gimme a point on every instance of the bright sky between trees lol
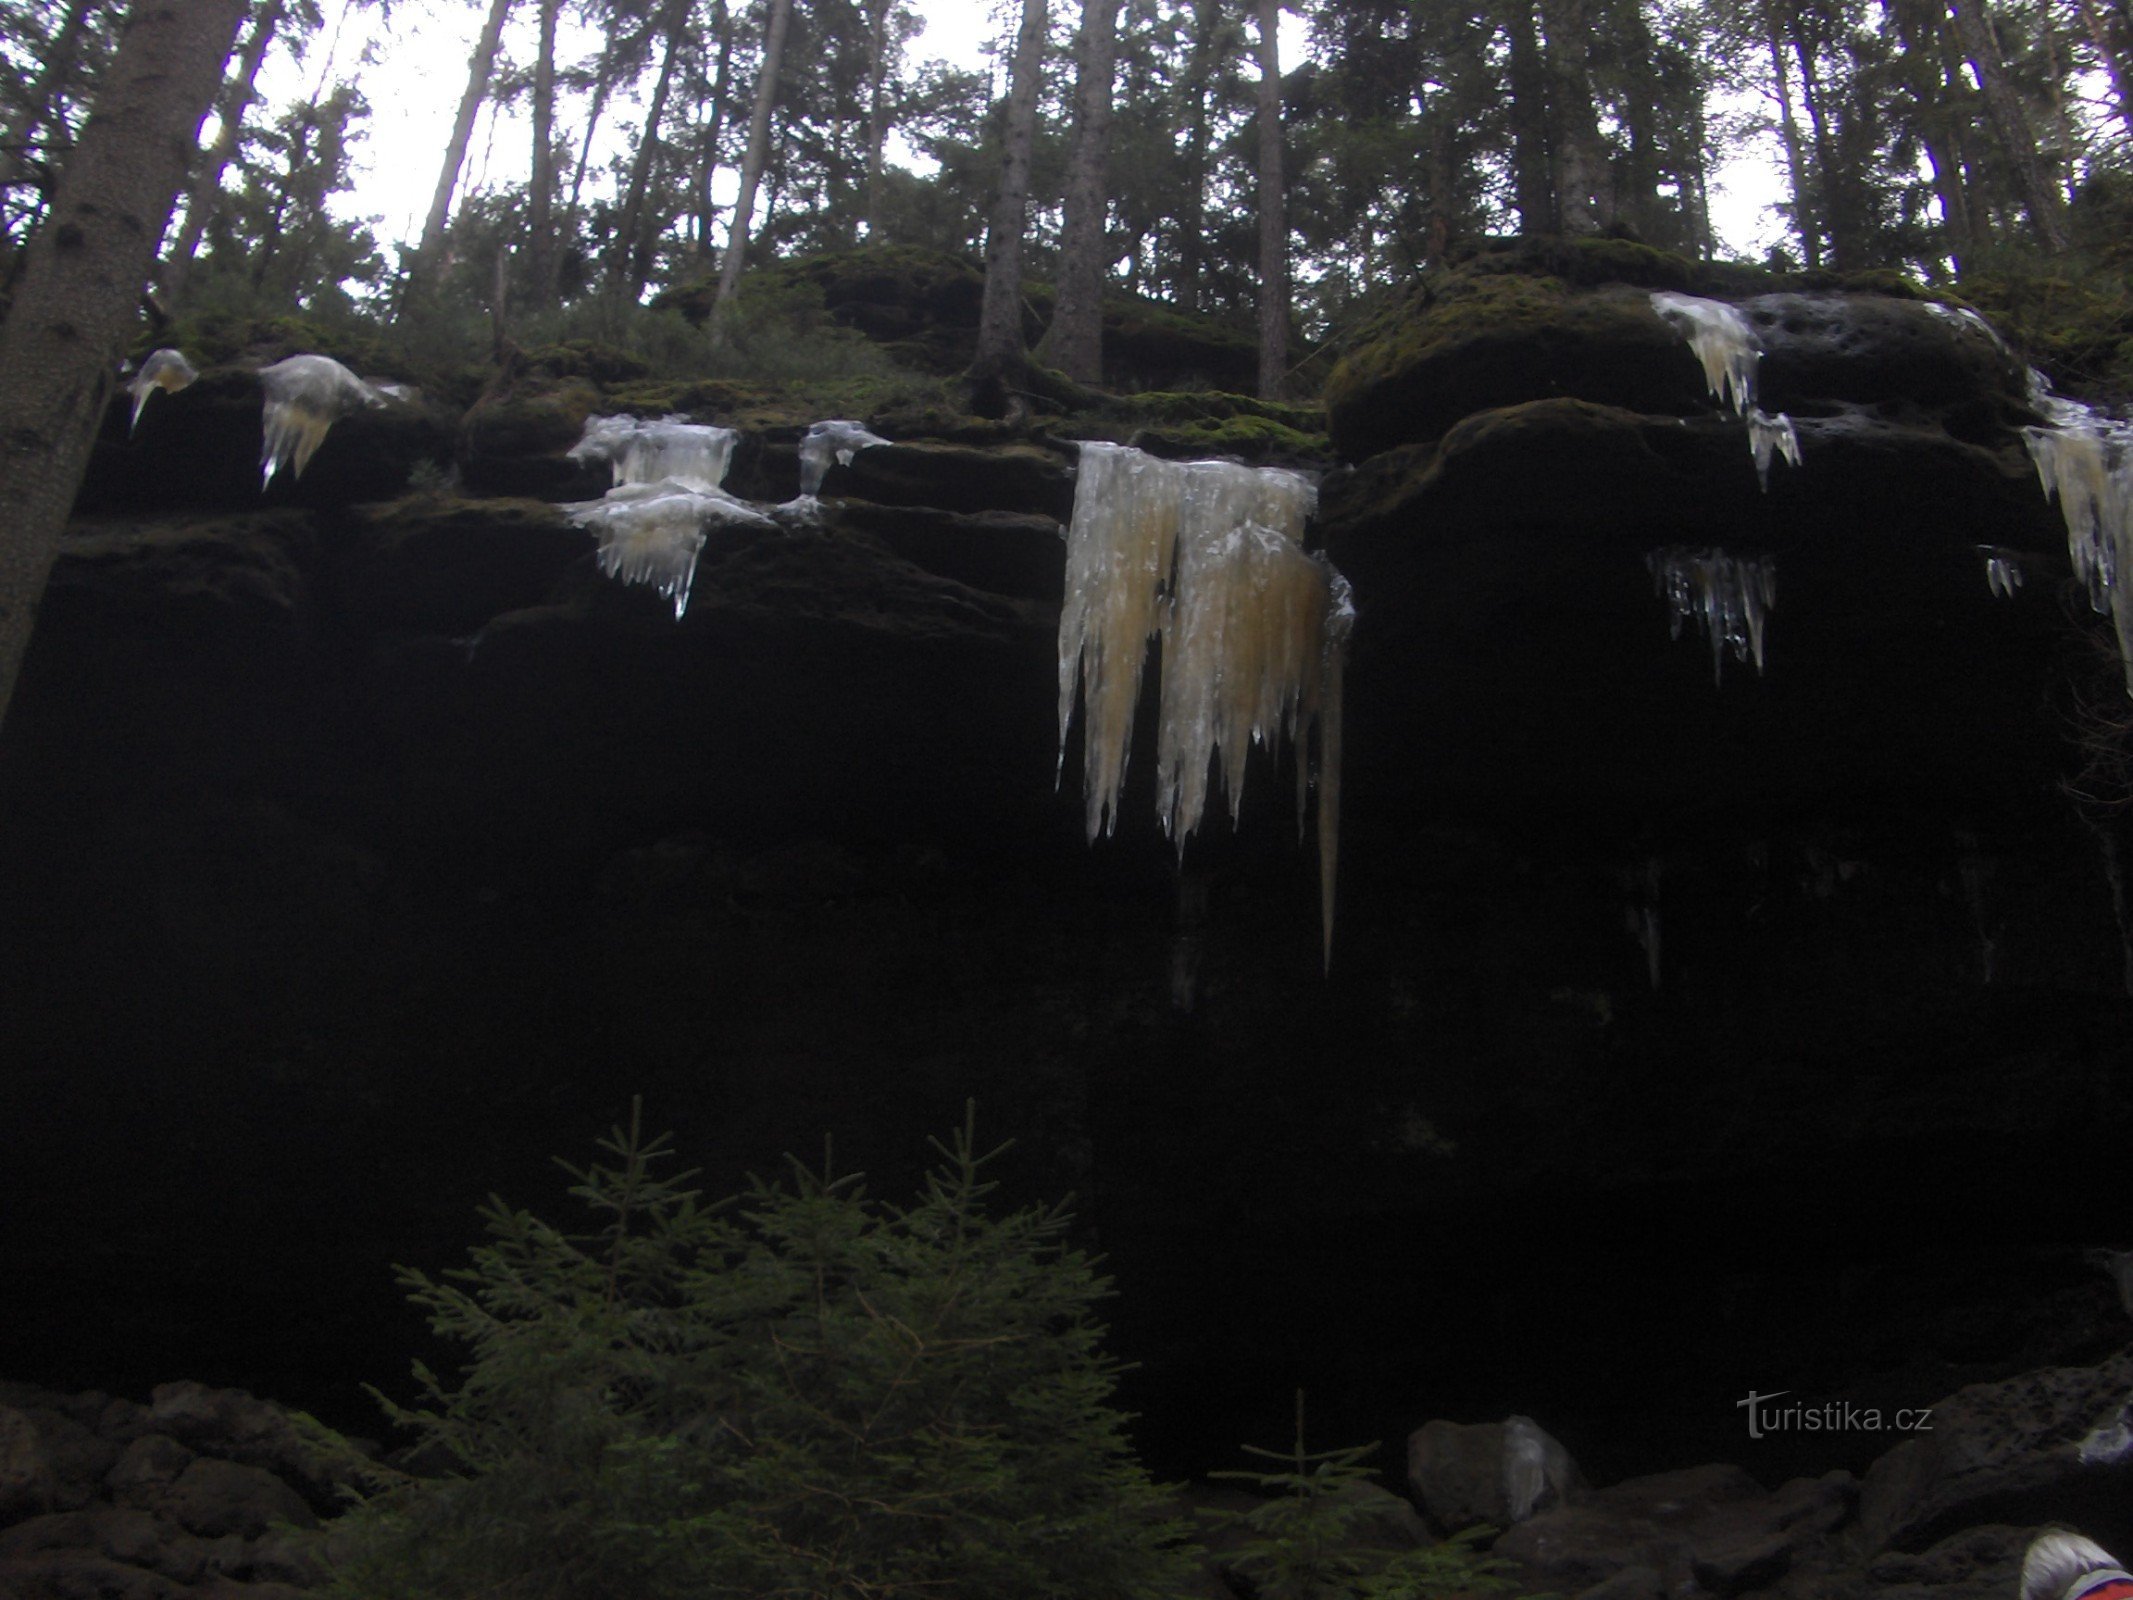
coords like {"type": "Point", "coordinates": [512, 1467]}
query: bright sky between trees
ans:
{"type": "Point", "coordinates": [414, 71]}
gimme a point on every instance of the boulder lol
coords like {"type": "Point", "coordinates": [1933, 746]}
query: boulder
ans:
{"type": "Point", "coordinates": [1493, 1473]}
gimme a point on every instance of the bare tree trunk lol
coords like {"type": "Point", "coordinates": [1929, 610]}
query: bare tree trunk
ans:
{"type": "Point", "coordinates": [766, 95]}
{"type": "Point", "coordinates": [1532, 177]}
{"type": "Point", "coordinates": [2111, 55]}
{"type": "Point", "coordinates": [540, 183]}
{"type": "Point", "coordinates": [625, 272]}
{"type": "Point", "coordinates": [1000, 346]}
{"type": "Point", "coordinates": [1273, 213]}
{"type": "Point", "coordinates": [81, 285]}
{"type": "Point", "coordinates": [1803, 207]}
{"type": "Point", "coordinates": [1584, 198]}
{"type": "Point", "coordinates": [714, 131]}
{"type": "Point", "coordinates": [479, 65]}
{"type": "Point", "coordinates": [2045, 205]}
{"type": "Point", "coordinates": [603, 86]}
{"type": "Point", "coordinates": [1074, 342]}
{"type": "Point", "coordinates": [206, 186]}
{"type": "Point", "coordinates": [877, 105]}
{"type": "Point", "coordinates": [1191, 227]}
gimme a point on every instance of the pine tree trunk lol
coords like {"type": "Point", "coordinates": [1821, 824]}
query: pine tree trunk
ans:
{"type": "Point", "coordinates": [2045, 205]}
{"type": "Point", "coordinates": [714, 131]}
{"type": "Point", "coordinates": [1803, 208]}
{"type": "Point", "coordinates": [540, 183]}
{"type": "Point", "coordinates": [81, 284]}
{"type": "Point", "coordinates": [1834, 223]}
{"type": "Point", "coordinates": [1273, 213]}
{"type": "Point", "coordinates": [2112, 56]}
{"type": "Point", "coordinates": [1584, 198]}
{"type": "Point", "coordinates": [1533, 189]}
{"type": "Point", "coordinates": [1191, 225]}
{"type": "Point", "coordinates": [1000, 347]}
{"type": "Point", "coordinates": [766, 95]}
{"type": "Point", "coordinates": [626, 270]}
{"type": "Point", "coordinates": [877, 107]}
{"type": "Point", "coordinates": [206, 188]}
{"type": "Point", "coordinates": [479, 65]}
{"type": "Point", "coordinates": [1074, 342]}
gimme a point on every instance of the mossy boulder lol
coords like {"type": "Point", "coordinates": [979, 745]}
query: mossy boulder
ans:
{"type": "Point", "coordinates": [1147, 346]}
{"type": "Point", "coordinates": [516, 441]}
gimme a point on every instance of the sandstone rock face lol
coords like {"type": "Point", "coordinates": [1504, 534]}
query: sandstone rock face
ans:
{"type": "Point", "coordinates": [360, 852]}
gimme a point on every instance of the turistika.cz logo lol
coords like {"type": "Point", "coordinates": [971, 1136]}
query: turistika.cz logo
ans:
{"type": "Point", "coordinates": [1832, 1416]}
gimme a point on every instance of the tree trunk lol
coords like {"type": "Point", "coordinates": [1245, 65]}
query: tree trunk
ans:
{"type": "Point", "coordinates": [714, 132]}
{"type": "Point", "coordinates": [479, 65]}
{"type": "Point", "coordinates": [1532, 185]}
{"type": "Point", "coordinates": [1000, 348]}
{"type": "Point", "coordinates": [766, 95]}
{"type": "Point", "coordinates": [1803, 208]}
{"type": "Point", "coordinates": [2111, 54]}
{"type": "Point", "coordinates": [1830, 216]}
{"type": "Point", "coordinates": [540, 183]}
{"type": "Point", "coordinates": [626, 270]}
{"type": "Point", "coordinates": [877, 106]}
{"type": "Point", "coordinates": [1191, 226]}
{"type": "Point", "coordinates": [603, 86]}
{"type": "Point", "coordinates": [2045, 205]}
{"type": "Point", "coordinates": [1074, 342]}
{"type": "Point", "coordinates": [206, 186]}
{"type": "Point", "coordinates": [81, 285]}
{"type": "Point", "coordinates": [1273, 213]}
{"type": "Point", "coordinates": [1584, 198]}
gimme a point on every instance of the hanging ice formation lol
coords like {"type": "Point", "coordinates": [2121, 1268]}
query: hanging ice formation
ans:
{"type": "Point", "coordinates": [1726, 346]}
{"type": "Point", "coordinates": [826, 442]}
{"type": "Point", "coordinates": [1729, 596]}
{"type": "Point", "coordinates": [306, 395]}
{"type": "Point", "coordinates": [2085, 461]}
{"type": "Point", "coordinates": [2003, 570]}
{"type": "Point", "coordinates": [643, 451]}
{"type": "Point", "coordinates": [652, 525]}
{"type": "Point", "coordinates": [1206, 557]}
{"type": "Point", "coordinates": [167, 370]}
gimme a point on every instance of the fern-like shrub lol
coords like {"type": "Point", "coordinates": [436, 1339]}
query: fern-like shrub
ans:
{"type": "Point", "coordinates": [799, 1392]}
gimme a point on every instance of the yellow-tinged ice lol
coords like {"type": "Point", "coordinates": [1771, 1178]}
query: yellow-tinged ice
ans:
{"type": "Point", "coordinates": [165, 369]}
{"type": "Point", "coordinates": [2085, 461]}
{"type": "Point", "coordinates": [306, 396]}
{"type": "Point", "coordinates": [1206, 557]}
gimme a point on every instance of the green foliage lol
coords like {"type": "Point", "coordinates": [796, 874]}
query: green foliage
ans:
{"type": "Point", "coordinates": [1311, 1539]}
{"type": "Point", "coordinates": [800, 1392]}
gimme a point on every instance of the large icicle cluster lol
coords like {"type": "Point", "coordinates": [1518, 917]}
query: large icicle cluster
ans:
{"type": "Point", "coordinates": [672, 448]}
{"type": "Point", "coordinates": [652, 525]}
{"type": "Point", "coordinates": [1729, 596]}
{"type": "Point", "coordinates": [1727, 348]}
{"type": "Point", "coordinates": [306, 395]}
{"type": "Point", "coordinates": [1206, 557]}
{"type": "Point", "coordinates": [2085, 460]}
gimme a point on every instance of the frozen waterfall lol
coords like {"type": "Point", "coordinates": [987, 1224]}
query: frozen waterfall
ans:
{"type": "Point", "coordinates": [1726, 348]}
{"type": "Point", "coordinates": [651, 526]}
{"type": "Point", "coordinates": [643, 451]}
{"type": "Point", "coordinates": [1206, 558]}
{"type": "Point", "coordinates": [165, 369]}
{"type": "Point", "coordinates": [306, 396]}
{"type": "Point", "coordinates": [2085, 461]}
{"type": "Point", "coordinates": [1729, 597]}
{"type": "Point", "coordinates": [826, 442]}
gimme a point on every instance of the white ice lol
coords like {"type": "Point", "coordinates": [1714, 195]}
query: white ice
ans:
{"type": "Point", "coordinates": [2003, 570]}
{"type": "Point", "coordinates": [640, 450]}
{"type": "Point", "coordinates": [826, 442]}
{"type": "Point", "coordinates": [165, 369]}
{"type": "Point", "coordinates": [653, 532]}
{"type": "Point", "coordinates": [2085, 461]}
{"type": "Point", "coordinates": [1207, 558]}
{"type": "Point", "coordinates": [1729, 596]}
{"type": "Point", "coordinates": [306, 395]}
{"type": "Point", "coordinates": [1771, 436]}
{"type": "Point", "coordinates": [1727, 348]}
{"type": "Point", "coordinates": [1722, 340]}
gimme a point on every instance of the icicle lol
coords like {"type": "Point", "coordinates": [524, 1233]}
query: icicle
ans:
{"type": "Point", "coordinates": [1728, 595]}
{"type": "Point", "coordinates": [167, 370]}
{"type": "Point", "coordinates": [2003, 570]}
{"type": "Point", "coordinates": [1769, 436]}
{"type": "Point", "coordinates": [653, 532]}
{"type": "Point", "coordinates": [1120, 547]}
{"type": "Point", "coordinates": [671, 449]}
{"type": "Point", "coordinates": [306, 395]}
{"type": "Point", "coordinates": [1723, 342]}
{"type": "Point", "coordinates": [825, 442]}
{"type": "Point", "coordinates": [2085, 461]}
{"type": "Point", "coordinates": [1208, 558]}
